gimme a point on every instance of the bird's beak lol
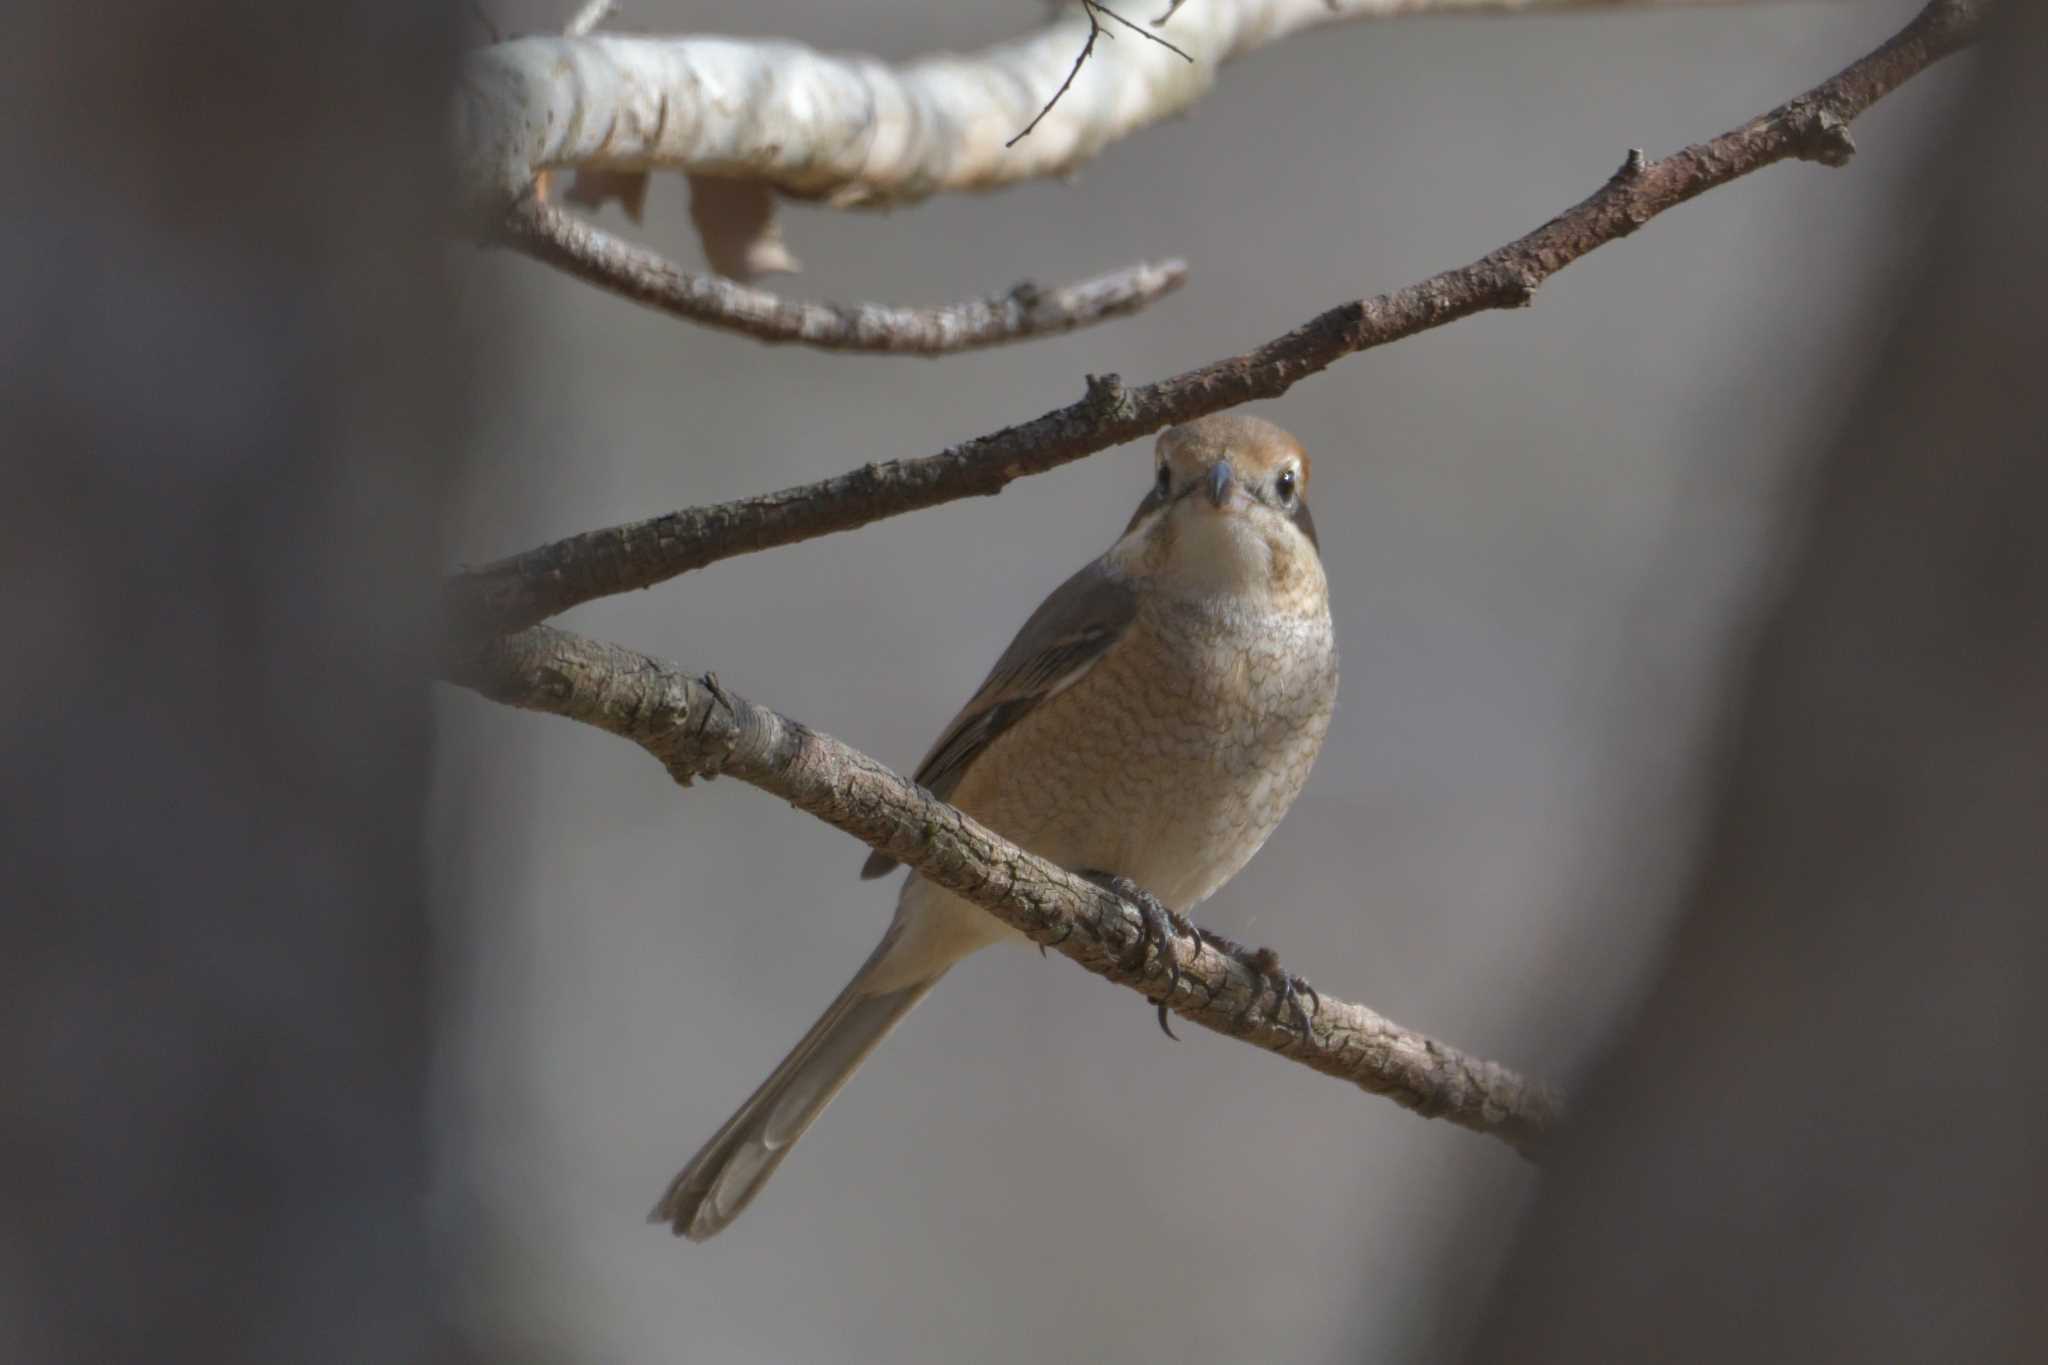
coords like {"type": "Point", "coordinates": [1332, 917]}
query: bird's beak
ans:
{"type": "Point", "coordinates": [1220, 482]}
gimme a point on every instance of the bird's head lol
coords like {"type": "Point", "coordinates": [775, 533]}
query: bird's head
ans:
{"type": "Point", "coordinates": [1227, 512]}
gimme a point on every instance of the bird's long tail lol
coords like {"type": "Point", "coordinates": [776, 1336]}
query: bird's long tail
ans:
{"type": "Point", "coordinates": [723, 1178]}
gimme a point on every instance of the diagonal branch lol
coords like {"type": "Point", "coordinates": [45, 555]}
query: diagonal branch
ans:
{"type": "Point", "coordinates": [517, 592]}
{"type": "Point", "coordinates": [697, 728]}
{"type": "Point", "coordinates": [548, 234]}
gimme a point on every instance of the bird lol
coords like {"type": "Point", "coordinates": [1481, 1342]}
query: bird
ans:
{"type": "Point", "coordinates": [1148, 728]}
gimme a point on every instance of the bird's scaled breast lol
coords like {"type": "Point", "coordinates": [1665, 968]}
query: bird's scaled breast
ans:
{"type": "Point", "coordinates": [1174, 757]}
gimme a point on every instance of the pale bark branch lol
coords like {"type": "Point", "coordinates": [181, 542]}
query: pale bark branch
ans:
{"type": "Point", "coordinates": [852, 130]}
{"type": "Point", "coordinates": [697, 728]}
{"type": "Point", "coordinates": [519, 591]}
{"type": "Point", "coordinates": [548, 234]}
{"type": "Point", "coordinates": [736, 223]}
{"type": "Point", "coordinates": [848, 130]}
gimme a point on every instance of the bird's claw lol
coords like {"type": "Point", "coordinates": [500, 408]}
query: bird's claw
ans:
{"type": "Point", "coordinates": [1161, 927]}
{"type": "Point", "coordinates": [1067, 932]}
{"type": "Point", "coordinates": [1264, 965]}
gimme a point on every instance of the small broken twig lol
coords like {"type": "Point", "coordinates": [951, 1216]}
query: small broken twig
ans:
{"type": "Point", "coordinates": [586, 20]}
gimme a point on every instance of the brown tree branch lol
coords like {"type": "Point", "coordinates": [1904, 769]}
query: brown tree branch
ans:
{"type": "Point", "coordinates": [697, 728]}
{"type": "Point", "coordinates": [546, 233]}
{"type": "Point", "coordinates": [513, 593]}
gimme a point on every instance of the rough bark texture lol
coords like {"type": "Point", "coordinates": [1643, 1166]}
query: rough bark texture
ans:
{"type": "Point", "coordinates": [1824, 1138]}
{"type": "Point", "coordinates": [513, 593]}
{"type": "Point", "coordinates": [590, 253]}
{"type": "Point", "coordinates": [697, 728]}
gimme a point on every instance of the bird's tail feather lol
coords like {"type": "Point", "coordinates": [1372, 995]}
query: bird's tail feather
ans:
{"type": "Point", "coordinates": [730, 1169]}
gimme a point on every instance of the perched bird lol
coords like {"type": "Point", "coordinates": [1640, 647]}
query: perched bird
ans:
{"type": "Point", "coordinates": [1153, 720]}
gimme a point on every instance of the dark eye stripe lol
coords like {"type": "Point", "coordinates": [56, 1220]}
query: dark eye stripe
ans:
{"type": "Point", "coordinates": [1307, 523]}
{"type": "Point", "coordinates": [1154, 499]}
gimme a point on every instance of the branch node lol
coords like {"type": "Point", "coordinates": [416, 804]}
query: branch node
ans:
{"type": "Point", "coordinates": [1106, 395]}
{"type": "Point", "coordinates": [553, 684]}
{"type": "Point", "coordinates": [1517, 286]}
{"type": "Point", "coordinates": [1820, 134]}
{"type": "Point", "coordinates": [1632, 167]}
{"type": "Point", "coordinates": [705, 758]}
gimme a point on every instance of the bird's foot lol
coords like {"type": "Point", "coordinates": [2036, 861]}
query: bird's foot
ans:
{"type": "Point", "coordinates": [1162, 928]}
{"type": "Point", "coordinates": [1264, 964]}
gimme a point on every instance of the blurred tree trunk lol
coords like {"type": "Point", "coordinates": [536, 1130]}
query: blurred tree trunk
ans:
{"type": "Point", "coordinates": [1825, 1139]}
{"type": "Point", "coordinates": [233, 403]}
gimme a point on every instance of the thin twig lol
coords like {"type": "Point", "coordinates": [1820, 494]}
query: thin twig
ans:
{"type": "Point", "coordinates": [586, 20]}
{"type": "Point", "coordinates": [547, 233]}
{"type": "Point", "coordinates": [699, 728]}
{"type": "Point", "coordinates": [1144, 33]}
{"type": "Point", "coordinates": [1095, 30]}
{"type": "Point", "coordinates": [483, 17]}
{"type": "Point", "coordinates": [516, 592]}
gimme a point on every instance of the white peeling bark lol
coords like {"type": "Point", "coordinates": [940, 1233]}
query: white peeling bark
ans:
{"type": "Point", "coordinates": [853, 130]}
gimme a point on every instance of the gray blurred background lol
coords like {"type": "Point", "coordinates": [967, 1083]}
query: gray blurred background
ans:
{"type": "Point", "coordinates": [1547, 532]}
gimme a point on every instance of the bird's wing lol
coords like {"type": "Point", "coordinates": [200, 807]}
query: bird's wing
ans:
{"type": "Point", "coordinates": [1064, 638]}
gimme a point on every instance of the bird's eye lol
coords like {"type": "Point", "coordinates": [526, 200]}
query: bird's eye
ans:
{"type": "Point", "coordinates": [1165, 482]}
{"type": "Point", "coordinates": [1285, 485]}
